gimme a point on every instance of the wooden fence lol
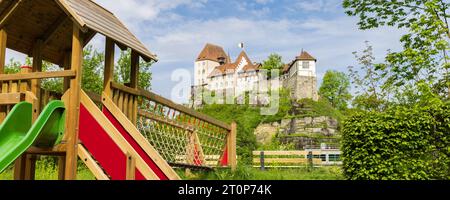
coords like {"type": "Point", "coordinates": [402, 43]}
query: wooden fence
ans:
{"type": "Point", "coordinates": [294, 159]}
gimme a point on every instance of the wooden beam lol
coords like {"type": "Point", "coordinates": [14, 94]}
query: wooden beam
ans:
{"type": "Point", "coordinates": [117, 137]}
{"type": "Point", "coordinates": [3, 40]}
{"type": "Point", "coordinates": [77, 21]}
{"type": "Point", "coordinates": [231, 148]}
{"type": "Point", "coordinates": [38, 75]}
{"type": "Point", "coordinates": [73, 106]}
{"type": "Point", "coordinates": [131, 167]}
{"type": "Point", "coordinates": [91, 163]}
{"type": "Point", "coordinates": [87, 37]}
{"type": "Point", "coordinates": [125, 89]}
{"type": "Point", "coordinates": [61, 167]}
{"type": "Point", "coordinates": [36, 83]}
{"type": "Point", "coordinates": [66, 66]}
{"type": "Point", "coordinates": [11, 98]}
{"type": "Point", "coordinates": [161, 100]}
{"type": "Point", "coordinates": [57, 150]}
{"type": "Point", "coordinates": [139, 138]}
{"type": "Point", "coordinates": [57, 25]}
{"type": "Point", "coordinates": [19, 167]}
{"type": "Point", "coordinates": [6, 15]}
{"type": "Point", "coordinates": [109, 66]}
{"type": "Point", "coordinates": [134, 76]}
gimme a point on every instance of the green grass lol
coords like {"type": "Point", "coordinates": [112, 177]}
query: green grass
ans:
{"type": "Point", "coordinates": [249, 173]}
{"type": "Point", "coordinates": [46, 170]}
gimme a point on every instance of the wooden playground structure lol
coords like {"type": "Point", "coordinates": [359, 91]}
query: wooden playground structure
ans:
{"type": "Point", "coordinates": [124, 133]}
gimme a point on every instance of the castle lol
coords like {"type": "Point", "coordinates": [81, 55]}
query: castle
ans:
{"type": "Point", "coordinates": [215, 71]}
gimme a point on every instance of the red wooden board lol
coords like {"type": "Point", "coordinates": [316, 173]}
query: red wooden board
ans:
{"type": "Point", "coordinates": [136, 147]}
{"type": "Point", "coordinates": [101, 146]}
{"type": "Point", "coordinates": [224, 161]}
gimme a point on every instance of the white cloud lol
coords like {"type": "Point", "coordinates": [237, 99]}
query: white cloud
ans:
{"type": "Point", "coordinates": [263, 1]}
{"type": "Point", "coordinates": [317, 5]}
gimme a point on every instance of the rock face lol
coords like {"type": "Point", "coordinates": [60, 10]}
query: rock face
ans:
{"type": "Point", "coordinates": [307, 132]}
{"type": "Point", "coordinates": [265, 132]}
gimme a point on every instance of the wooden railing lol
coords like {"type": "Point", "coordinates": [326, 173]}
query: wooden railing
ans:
{"type": "Point", "coordinates": [294, 159]}
{"type": "Point", "coordinates": [181, 135]}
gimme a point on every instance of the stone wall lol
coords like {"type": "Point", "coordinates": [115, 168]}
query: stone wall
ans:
{"type": "Point", "coordinates": [302, 87]}
{"type": "Point", "coordinates": [307, 132]}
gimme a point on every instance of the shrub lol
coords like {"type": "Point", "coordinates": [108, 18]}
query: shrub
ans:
{"type": "Point", "coordinates": [400, 143]}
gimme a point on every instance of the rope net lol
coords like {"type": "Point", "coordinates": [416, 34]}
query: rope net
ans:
{"type": "Point", "coordinates": [181, 139]}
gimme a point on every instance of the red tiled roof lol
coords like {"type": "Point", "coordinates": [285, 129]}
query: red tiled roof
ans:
{"type": "Point", "coordinates": [212, 52]}
{"type": "Point", "coordinates": [303, 56]}
{"type": "Point", "coordinates": [231, 67]}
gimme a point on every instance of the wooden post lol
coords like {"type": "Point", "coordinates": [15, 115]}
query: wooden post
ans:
{"type": "Point", "coordinates": [73, 107]}
{"type": "Point", "coordinates": [109, 66]}
{"type": "Point", "coordinates": [3, 40]}
{"type": "Point", "coordinates": [231, 142]}
{"type": "Point", "coordinates": [36, 83]}
{"type": "Point", "coordinates": [261, 158]}
{"type": "Point", "coordinates": [61, 167]}
{"type": "Point", "coordinates": [66, 66]}
{"type": "Point", "coordinates": [131, 167]}
{"type": "Point", "coordinates": [310, 160]}
{"type": "Point", "coordinates": [134, 82]}
{"type": "Point", "coordinates": [134, 76]}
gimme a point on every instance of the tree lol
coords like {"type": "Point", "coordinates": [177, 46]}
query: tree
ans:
{"type": "Point", "coordinates": [123, 70]}
{"type": "Point", "coordinates": [335, 88]}
{"type": "Point", "coordinates": [273, 62]}
{"type": "Point", "coordinates": [425, 46]}
{"type": "Point", "coordinates": [371, 94]}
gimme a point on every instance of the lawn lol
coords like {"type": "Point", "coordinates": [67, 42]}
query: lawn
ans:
{"type": "Point", "coordinates": [249, 173]}
{"type": "Point", "coordinates": [46, 170]}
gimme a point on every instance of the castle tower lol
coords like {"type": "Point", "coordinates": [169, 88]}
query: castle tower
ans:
{"type": "Point", "coordinates": [209, 58]}
{"type": "Point", "coordinates": [300, 77]}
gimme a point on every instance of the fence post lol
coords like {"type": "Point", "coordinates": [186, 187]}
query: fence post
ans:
{"type": "Point", "coordinates": [310, 160]}
{"type": "Point", "coordinates": [262, 160]}
{"type": "Point", "coordinates": [231, 142]}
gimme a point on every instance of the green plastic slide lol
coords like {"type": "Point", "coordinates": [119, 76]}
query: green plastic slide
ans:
{"type": "Point", "coordinates": [17, 133]}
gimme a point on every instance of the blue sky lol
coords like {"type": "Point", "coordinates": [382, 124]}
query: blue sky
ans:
{"type": "Point", "coordinates": [176, 31]}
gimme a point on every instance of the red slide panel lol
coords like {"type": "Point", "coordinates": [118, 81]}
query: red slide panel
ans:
{"type": "Point", "coordinates": [135, 146]}
{"type": "Point", "coordinates": [224, 161]}
{"type": "Point", "coordinates": [103, 149]}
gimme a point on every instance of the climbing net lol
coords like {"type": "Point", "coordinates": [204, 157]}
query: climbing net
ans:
{"type": "Point", "coordinates": [181, 139]}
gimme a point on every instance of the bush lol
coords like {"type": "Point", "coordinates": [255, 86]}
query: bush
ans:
{"type": "Point", "coordinates": [400, 143]}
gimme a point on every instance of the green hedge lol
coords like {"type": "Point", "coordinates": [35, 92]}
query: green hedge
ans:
{"type": "Point", "coordinates": [401, 143]}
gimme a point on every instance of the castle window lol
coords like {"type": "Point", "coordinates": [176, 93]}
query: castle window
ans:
{"type": "Point", "coordinates": [203, 71]}
{"type": "Point", "coordinates": [305, 65]}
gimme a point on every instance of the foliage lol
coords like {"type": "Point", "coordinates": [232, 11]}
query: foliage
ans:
{"type": "Point", "coordinates": [46, 169]}
{"type": "Point", "coordinates": [371, 94]}
{"type": "Point", "coordinates": [311, 108]}
{"type": "Point", "coordinates": [123, 70]}
{"type": "Point", "coordinates": [247, 119]}
{"type": "Point", "coordinates": [12, 67]}
{"type": "Point", "coordinates": [335, 88]}
{"type": "Point", "coordinates": [93, 64]}
{"type": "Point", "coordinates": [425, 45]}
{"type": "Point", "coordinates": [274, 61]}
{"type": "Point", "coordinates": [404, 142]}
